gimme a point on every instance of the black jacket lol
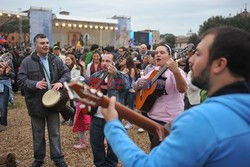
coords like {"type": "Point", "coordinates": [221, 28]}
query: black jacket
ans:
{"type": "Point", "coordinates": [31, 72]}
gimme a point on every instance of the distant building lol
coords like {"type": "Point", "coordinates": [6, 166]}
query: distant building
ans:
{"type": "Point", "coordinates": [66, 29]}
{"type": "Point", "coordinates": [181, 41]}
{"type": "Point", "coordinates": [245, 13]}
{"type": "Point", "coordinates": [155, 36]}
{"type": "Point", "coordinates": [190, 33]}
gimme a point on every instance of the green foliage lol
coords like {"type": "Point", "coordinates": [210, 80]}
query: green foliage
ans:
{"type": "Point", "coordinates": [210, 23]}
{"type": "Point", "coordinates": [240, 21]}
{"type": "Point", "coordinates": [170, 39]}
{"type": "Point", "coordinates": [194, 39]}
{"type": "Point", "coordinates": [25, 26]}
{"type": "Point", "coordinates": [13, 26]}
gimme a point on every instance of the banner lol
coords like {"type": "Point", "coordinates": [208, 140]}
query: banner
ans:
{"type": "Point", "coordinates": [122, 33]}
{"type": "Point", "coordinates": [40, 23]}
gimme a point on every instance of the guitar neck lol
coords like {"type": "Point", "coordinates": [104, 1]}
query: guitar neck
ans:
{"type": "Point", "coordinates": [158, 75]}
{"type": "Point", "coordinates": [101, 80]}
{"type": "Point", "coordinates": [85, 97]}
{"type": "Point", "coordinates": [152, 127]}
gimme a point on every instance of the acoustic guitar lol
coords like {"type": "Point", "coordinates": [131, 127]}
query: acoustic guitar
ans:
{"type": "Point", "coordinates": [152, 89]}
{"type": "Point", "coordinates": [81, 92]}
{"type": "Point", "coordinates": [5, 58]}
{"type": "Point", "coordinates": [98, 83]}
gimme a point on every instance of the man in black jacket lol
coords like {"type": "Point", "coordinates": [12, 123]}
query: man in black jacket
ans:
{"type": "Point", "coordinates": [39, 72]}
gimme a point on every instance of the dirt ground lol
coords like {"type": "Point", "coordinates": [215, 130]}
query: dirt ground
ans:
{"type": "Point", "coordinates": [17, 139]}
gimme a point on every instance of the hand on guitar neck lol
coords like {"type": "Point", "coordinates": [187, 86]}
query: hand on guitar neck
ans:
{"type": "Point", "coordinates": [110, 113]}
{"type": "Point", "coordinates": [92, 97]}
{"type": "Point", "coordinates": [4, 68]}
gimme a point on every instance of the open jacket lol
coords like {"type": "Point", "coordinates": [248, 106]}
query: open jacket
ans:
{"type": "Point", "coordinates": [31, 72]}
{"type": "Point", "coordinates": [118, 85]}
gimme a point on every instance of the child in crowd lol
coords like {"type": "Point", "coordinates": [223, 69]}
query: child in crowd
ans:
{"type": "Point", "coordinates": [81, 125]}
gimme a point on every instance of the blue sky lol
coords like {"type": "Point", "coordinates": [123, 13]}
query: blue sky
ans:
{"type": "Point", "coordinates": [167, 16]}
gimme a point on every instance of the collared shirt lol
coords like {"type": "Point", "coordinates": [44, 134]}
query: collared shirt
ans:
{"type": "Point", "coordinates": [167, 107]}
{"type": "Point", "coordinates": [45, 63]}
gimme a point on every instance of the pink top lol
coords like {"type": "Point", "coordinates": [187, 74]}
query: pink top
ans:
{"type": "Point", "coordinates": [167, 107]}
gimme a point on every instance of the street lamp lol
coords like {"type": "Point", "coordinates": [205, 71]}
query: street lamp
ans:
{"type": "Point", "coordinates": [20, 28]}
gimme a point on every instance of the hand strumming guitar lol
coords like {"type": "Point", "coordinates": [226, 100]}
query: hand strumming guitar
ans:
{"type": "Point", "coordinates": [110, 113]}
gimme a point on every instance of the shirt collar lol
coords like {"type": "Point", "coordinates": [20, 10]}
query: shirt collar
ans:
{"type": "Point", "coordinates": [44, 57]}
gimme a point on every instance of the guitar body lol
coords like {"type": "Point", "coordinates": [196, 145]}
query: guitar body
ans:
{"type": "Point", "coordinates": [146, 97]}
{"type": "Point", "coordinates": [150, 100]}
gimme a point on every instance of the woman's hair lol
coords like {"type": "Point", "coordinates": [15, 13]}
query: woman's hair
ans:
{"type": "Point", "coordinates": [97, 52]}
{"type": "Point", "coordinates": [72, 57]}
{"type": "Point", "coordinates": [151, 53]}
{"type": "Point", "coordinates": [135, 53]}
{"type": "Point", "coordinates": [130, 64]}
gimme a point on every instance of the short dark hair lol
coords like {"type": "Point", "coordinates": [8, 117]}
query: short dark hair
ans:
{"type": "Point", "coordinates": [166, 46]}
{"type": "Point", "coordinates": [94, 47]}
{"type": "Point", "coordinates": [123, 48]}
{"type": "Point", "coordinates": [113, 56]}
{"type": "Point", "coordinates": [39, 36]}
{"type": "Point", "coordinates": [151, 53]}
{"type": "Point", "coordinates": [233, 44]}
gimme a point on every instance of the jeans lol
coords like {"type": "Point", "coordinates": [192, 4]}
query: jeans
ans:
{"type": "Point", "coordinates": [4, 99]}
{"type": "Point", "coordinates": [39, 143]}
{"type": "Point", "coordinates": [154, 142]}
{"type": "Point", "coordinates": [131, 100]}
{"type": "Point", "coordinates": [101, 159]}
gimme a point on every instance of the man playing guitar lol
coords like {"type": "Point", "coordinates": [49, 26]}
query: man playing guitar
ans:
{"type": "Point", "coordinates": [115, 83]}
{"type": "Point", "coordinates": [169, 105]}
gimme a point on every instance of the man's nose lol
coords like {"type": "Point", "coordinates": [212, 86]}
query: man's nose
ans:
{"type": "Point", "coordinates": [191, 59]}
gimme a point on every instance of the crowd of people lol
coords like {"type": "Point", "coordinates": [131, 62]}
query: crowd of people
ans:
{"type": "Point", "coordinates": [211, 132]}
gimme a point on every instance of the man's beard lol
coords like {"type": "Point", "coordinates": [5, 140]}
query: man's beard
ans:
{"type": "Point", "coordinates": [202, 81]}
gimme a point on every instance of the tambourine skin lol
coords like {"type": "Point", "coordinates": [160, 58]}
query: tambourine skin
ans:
{"type": "Point", "coordinates": [51, 98]}
{"type": "Point", "coordinates": [56, 101]}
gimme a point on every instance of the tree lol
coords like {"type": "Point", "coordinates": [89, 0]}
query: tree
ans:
{"type": "Point", "coordinates": [241, 20]}
{"type": "Point", "coordinates": [170, 39]}
{"type": "Point", "coordinates": [26, 31]}
{"type": "Point", "coordinates": [13, 26]}
{"type": "Point", "coordinates": [8, 28]}
{"type": "Point", "coordinates": [194, 39]}
{"type": "Point", "coordinates": [210, 23]}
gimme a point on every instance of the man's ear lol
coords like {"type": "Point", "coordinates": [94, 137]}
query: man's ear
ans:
{"type": "Point", "coordinates": [220, 65]}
